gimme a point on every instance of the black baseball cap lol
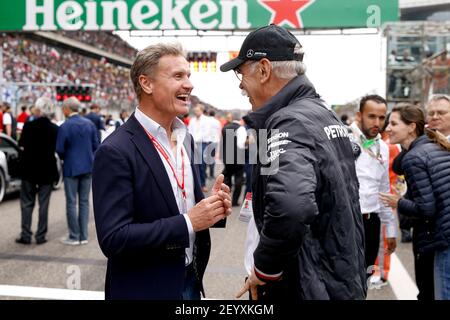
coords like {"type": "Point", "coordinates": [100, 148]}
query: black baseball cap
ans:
{"type": "Point", "coordinates": [271, 42]}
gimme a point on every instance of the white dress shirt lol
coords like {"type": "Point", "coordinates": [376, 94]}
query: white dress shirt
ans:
{"type": "Point", "coordinates": [178, 134]}
{"type": "Point", "coordinates": [241, 135]}
{"type": "Point", "coordinates": [200, 128]}
{"type": "Point", "coordinates": [373, 177]}
{"type": "Point", "coordinates": [215, 130]}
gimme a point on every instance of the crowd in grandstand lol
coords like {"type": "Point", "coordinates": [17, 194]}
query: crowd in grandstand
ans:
{"type": "Point", "coordinates": [29, 60]}
{"type": "Point", "coordinates": [103, 40]}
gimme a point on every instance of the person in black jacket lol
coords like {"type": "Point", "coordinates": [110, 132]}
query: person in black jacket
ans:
{"type": "Point", "coordinates": [426, 165]}
{"type": "Point", "coordinates": [305, 189]}
{"type": "Point", "coordinates": [38, 169]}
{"type": "Point", "coordinates": [233, 154]}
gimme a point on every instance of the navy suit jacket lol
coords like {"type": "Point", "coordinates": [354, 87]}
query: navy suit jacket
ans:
{"type": "Point", "coordinates": [97, 121]}
{"type": "Point", "coordinates": [139, 227]}
{"type": "Point", "coordinates": [76, 143]}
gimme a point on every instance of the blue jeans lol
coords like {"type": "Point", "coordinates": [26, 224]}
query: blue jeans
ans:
{"type": "Point", "coordinates": [442, 274]}
{"type": "Point", "coordinates": [78, 224]}
{"type": "Point", "coordinates": [200, 160]}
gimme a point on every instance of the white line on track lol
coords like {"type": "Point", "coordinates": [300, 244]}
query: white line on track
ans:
{"type": "Point", "coordinates": [50, 293]}
{"type": "Point", "coordinates": [401, 282]}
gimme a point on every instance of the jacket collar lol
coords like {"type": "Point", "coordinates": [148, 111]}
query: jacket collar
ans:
{"type": "Point", "coordinates": [73, 116]}
{"type": "Point", "coordinates": [300, 86]}
{"type": "Point", "coordinates": [419, 141]}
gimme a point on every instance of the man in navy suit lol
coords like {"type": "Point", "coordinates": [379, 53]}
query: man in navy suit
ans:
{"type": "Point", "coordinates": [76, 143]}
{"type": "Point", "coordinates": [96, 119]}
{"type": "Point", "coordinates": [151, 217]}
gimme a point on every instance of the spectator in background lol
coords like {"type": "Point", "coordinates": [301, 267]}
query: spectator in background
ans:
{"type": "Point", "coordinates": [438, 114]}
{"type": "Point", "coordinates": [406, 58]}
{"type": "Point", "coordinates": [397, 186]}
{"type": "Point", "coordinates": [441, 74]}
{"type": "Point", "coordinates": [21, 119]}
{"type": "Point", "coordinates": [345, 119]}
{"type": "Point", "coordinates": [392, 59]}
{"type": "Point", "coordinates": [38, 170]}
{"type": "Point", "coordinates": [123, 117]}
{"type": "Point", "coordinates": [250, 154]}
{"type": "Point", "coordinates": [32, 115]}
{"type": "Point", "coordinates": [199, 128]}
{"type": "Point", "coordinates": [96, 119]}
{"type": "Point", "coordinates": [9, 121]}
{"type": "Point", "coordinates": [215, 128]}
{"type": "Point", "coordinates": [228, 118]}
{"type": "Point", "coordinates": [109, 122]}
{"type": "Point", "coordinates": [186, 119]}
{"type": "Point", "coordinates": [233, 156]}
{"type": "Point", "coordinates": [397, 182]}
{"type": "Point", "coordinates": [372, 169]}
{"type": "Point", "coordinates": [1, 117]}
{"type": "Point", "coordinates": [76, 144]}
{"type": "Point", "coordinates": [426, 166]}
{"type": "Point", "coordinates": [110, 126]}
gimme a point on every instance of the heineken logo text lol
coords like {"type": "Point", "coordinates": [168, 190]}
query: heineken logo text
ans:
{"type": "Point", "coordinates": [142, 15]}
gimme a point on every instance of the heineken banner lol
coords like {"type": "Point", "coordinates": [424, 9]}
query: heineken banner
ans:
{"type": "Point", "coordinates": [32, 15]}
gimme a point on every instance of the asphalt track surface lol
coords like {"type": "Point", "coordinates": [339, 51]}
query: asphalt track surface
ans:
{"type": "Point", "coordinates": [57, 271]}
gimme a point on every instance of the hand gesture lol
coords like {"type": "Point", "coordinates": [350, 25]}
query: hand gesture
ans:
{"type": "Point", "coordinates": [251, 284]}
{"type": "Point", "coordinates": [390, 200]}
{"type": "Point", "coordinates": [223, 191]}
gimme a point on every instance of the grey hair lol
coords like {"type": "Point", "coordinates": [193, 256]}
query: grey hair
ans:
{"type": "Point", "coordinates": [437, 97]}
{"type": "Point", "coordinates": [236, 115]}
{"type": "Point", "coordinates": [45, 105]}
{"type": "Point", "coordinates": [287, 69]}
{"type": "Point", "coordinates": [147, 59]}
{"type": "Point", "coordinates": [72, 103]}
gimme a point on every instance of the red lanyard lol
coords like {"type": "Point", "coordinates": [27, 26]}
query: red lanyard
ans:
{"type": "Point", "coordinates": [166, 156]}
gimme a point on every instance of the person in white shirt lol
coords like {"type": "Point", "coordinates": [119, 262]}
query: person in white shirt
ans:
{"type": "Point", "coordinates": [199, 128]}
{"type": "Point", "coordinates": [372, 169]}
{"type": "Point", "coordinates": [438, 114]}
{"type": "Point", "coordinates": [9, 122]}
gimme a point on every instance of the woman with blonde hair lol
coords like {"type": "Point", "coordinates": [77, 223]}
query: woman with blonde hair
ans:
{"type": "Point", "coordinates": [426, 166]}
